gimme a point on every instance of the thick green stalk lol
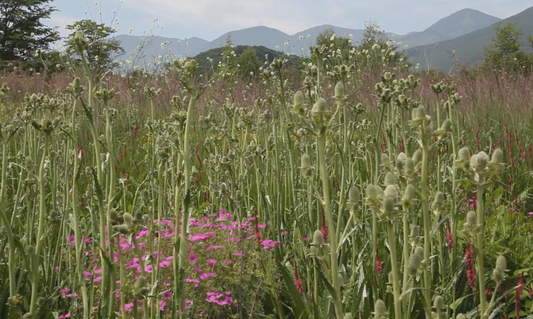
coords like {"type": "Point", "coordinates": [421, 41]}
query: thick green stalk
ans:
{"type": "Point", "coordinates": [7, 224]}
{"type": "Point", "coordinates": [36, 260]}
{"type": "Point", "coordinates": [75, 223]}
{"type": "Point", "coordinates": [186, 187]}
{"type": "Point", "coordinates": [480, 253]}
{"type": "Point", "coordinates": [395, 274]}
{"type": "Point", "coordinates": [427, 228]}
{"type": "Point", "coordinates": [110, 196]}
{"type": "Point", "coordinates": [321, 143]}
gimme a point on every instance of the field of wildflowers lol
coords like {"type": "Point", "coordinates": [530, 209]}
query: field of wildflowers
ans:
{"type": "Point", "coordinates": [346, 189]}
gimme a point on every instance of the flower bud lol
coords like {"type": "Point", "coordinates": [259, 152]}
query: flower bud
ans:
{"type": "Point", "coordinates": [438, 303]}
{"type": "Point", "coordinates": [415, 260]}
{"type": "Point", "coordinates": [339, 91]}
{"type": "Point", "coordinates": [471, 218]}
{"type": "Point", "coordinates": [380, 309]}
{"type": "Point", "coordinates": [464, 154]}
{"type": "Point", "coordinates": [409, 193]}
{"type": "Point", "coordinates": [497, 156]}
{"type": "Point", "coordinates": [318, 238]}
{"type": "Point", "coordinates": [415, 231]}
{"type": "Point", "coordinates": [391, 192]}
{"type": "Point", "coordinates": [461, 316]}
{"type": "Point", "coordinates": [480, 161]}
{"type": "Point", "coordinates": [388, 204]}
{"type": "Point", "coordinates": [501, 263]}
{"type": "Point", "coordinates": [438, 203]}
{"type": "Point", "coordinates": [319, 107]}
{"type": "Point", "coordinates": [417, 156]}
{"type": "Point", "coordinates": [353, 195]}
{"type": "Point", "coordinates": [128, 219]}
{"type": "Point", "coordinates": [348, 315]}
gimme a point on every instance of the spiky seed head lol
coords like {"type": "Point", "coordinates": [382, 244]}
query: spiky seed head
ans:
{"type": "Point", "coordinates": [339, 91]}
{"type": "Point", "coordinates": [415, 260]}
{"type": "Point", "coordinates": [353, 195]}
{"type": "Point", "coordinates": [481, 161]}
{"type": "Point", "coordinates": [379, 308]}
{"type": "Point", "coordinates": [128, 219]}
{"type": "Point", "coordinates": [420, 113]}
{"type": "Point", "coordinates": [388, 204]}
{"type": "Point", "coordinates": [464, 154]}
{"type": "Point", "coordinates": [319, 107]}
{"type": "Point", "coordinates": [471, 218]}
{"type": "Point", "coordinates": [438, 303]}
{"type": "Point", "coordinates": [318, 238]}
{"type": "Point", "coordinates": [497, 156]}
{"type": "Point", "coordinates": [501, 263]}
{"type": "Point", "coordinates": [390, 179]}
{"type": "Point", "coordinates": [417, 156]}
{"type": "Point", "coordinates": [391, 192]}
{"type": "Point", "coordinates": [409, 193]}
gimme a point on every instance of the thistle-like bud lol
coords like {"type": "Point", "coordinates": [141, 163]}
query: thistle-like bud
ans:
{"type": "Point", "coordinates": [497, 156]}
{"type": "Point", "coordinates": [388, 205]}
{"type": "Point", "coordinates": [464, 154]}
{"type": "Point", "coordinates": [479, 162]}
{"type": "Point", "coordinates": [415, 260]}
{"type": "Point", "coordinates": [348, 315]}
{"type": "Point", "coordinates": [501, 263]}
{"type": "Point", "coordinates": [128, 219]}
{"type": "Point", "coordinates": [438, 203]}
{"type": "Point", "coordinates": [497, 275]}
{"type": "Point", "coordinates": [415, 231]}
{"type": "Point", "coordinates": [339, 91]}
{"type": "Point", "coordinates": [318, 238]}
{"type": "Point", "coordinates": [471, 218]}
{"type": "Point", "coordinates": [438, 303]}
{"type": "Point", "coordinates": [380, 310]}
{"type": "Point", "coordinates": [318, 110]}
{"type": "Point", "coordinates": [389, 179]}
{"type": "Point", "coordinates": [461, 316]}
{"type": "Point", "coordinates": [353, 196]}
{"type": "Point", "coordinates": [391, 192]}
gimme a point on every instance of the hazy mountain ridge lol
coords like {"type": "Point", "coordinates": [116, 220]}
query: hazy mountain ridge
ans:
{"type": "Point", "coordinates": [467, 48]}
{"type": "Point", "coordinates": [145, 49]}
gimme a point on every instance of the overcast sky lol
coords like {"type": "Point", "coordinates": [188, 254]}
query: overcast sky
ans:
{"type": "Point", "coordinates": [209, 19]}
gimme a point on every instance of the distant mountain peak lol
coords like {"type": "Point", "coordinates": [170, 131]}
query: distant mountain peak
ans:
{"type": "Point", "coordinates": [462, 22]}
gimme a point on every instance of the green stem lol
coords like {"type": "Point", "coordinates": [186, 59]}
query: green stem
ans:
{"type": "Point", "coordinates": [36, 260]}
{"type": "Point", "coordinates": [480, 253]}
{"type": "Point", "coordinates": [321, 142]}
{"type": "Point", "coordinates": [395, 275]}
{"type": "Point", "coordinates": [427, 229]}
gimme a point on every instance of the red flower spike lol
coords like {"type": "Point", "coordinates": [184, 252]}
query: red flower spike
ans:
{"type": "Point", "coordinates": [470, 270]}
{"type": "Point", "coordinates": [379, 265]}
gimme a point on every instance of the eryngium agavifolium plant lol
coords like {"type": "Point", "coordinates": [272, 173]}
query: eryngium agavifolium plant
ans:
{"type": "Point", "coordinates": [333, 191]}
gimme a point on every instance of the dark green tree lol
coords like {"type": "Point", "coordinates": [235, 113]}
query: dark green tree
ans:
{"type": "Point", "coordinates": [505, 52]}
{"type": "Point", "coordinates": [248, 64]}
{"type": "Point", "coordinates": [100, 48]}
{"type": "Point", "coordinates": [22, 33]}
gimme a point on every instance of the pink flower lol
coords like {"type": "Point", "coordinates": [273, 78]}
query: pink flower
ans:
{"type": "Point", "coordinates": [207, 275]}
{"type": "Point", "coordinates": [192, 258]}
{"type": "Point", "coordinates": [211, 261]}
{"type": "Point", "coordinates": [67, 315]}
{"type": "Point", "coordinates": [64, 291]}
{"type": "Point", "coordinates": [164, 264]}
{"type": "Point", "coordinates": [128, 306]}
{"type": "Point", "coordinates": [214, 247]}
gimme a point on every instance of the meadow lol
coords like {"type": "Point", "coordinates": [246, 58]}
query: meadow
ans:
{"type": "Point", "coordinates": [343, 189]}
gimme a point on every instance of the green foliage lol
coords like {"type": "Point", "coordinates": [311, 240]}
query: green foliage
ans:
{"type": "Point", "coordinates": [505, 52]}
{"type": "Point", "coordinates": [248, 63]}
{"type": "Point", "coordinates": [100, 49]}
{"type": "Point", "coordinates": [241, 59]}
{"type": "Point", "coordinates": [22, 33]}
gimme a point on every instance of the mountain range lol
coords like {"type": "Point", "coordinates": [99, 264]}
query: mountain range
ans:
{"type": "Point", "coordinates": [465, 31]}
